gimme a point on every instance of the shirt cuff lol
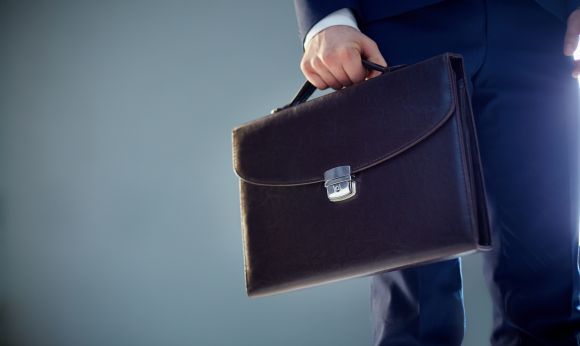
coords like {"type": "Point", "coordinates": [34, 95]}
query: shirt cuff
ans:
{"type": "Point", "coordinates": [344, 16]}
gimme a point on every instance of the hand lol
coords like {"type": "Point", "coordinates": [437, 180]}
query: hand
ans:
{"type": "Point", "coordinates": [571, 39]}
{"type": "Point", "coordinates": [333, 57]}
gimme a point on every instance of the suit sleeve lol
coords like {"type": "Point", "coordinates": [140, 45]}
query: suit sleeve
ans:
{"type": "Point", "coordinates": [343, 16]}
{"type": "Point", "coordinates": [310, 12]}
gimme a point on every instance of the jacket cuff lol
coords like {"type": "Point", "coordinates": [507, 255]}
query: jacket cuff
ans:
{"type": "Point", "coordinates": [310, 12]}
{"type": "Point", "coordinates": [343, 16]}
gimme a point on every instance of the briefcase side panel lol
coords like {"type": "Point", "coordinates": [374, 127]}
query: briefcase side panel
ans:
{"type": "Point", "coordinates": [476, 175]}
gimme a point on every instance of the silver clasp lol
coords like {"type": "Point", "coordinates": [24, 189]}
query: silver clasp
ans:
{"type": "Point", "coordinates": [339, 184]}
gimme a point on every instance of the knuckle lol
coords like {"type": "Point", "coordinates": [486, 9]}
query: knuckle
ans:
{"type": "Point", "coordinates": [317, 64]}
{"type": "Point", "coordinates": [372, 43]}
{"type": "Point", "coordinates": [311, 77]}
{"type": "Point", "coordinates": [330, 57]}
{"type": "Point", "coordinates": [348, 54]}
{"type": "Point", "coordinates": [305, 66]}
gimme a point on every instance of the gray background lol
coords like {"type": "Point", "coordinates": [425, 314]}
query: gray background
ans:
{"type": "Point", "coordinates": [119, 210]}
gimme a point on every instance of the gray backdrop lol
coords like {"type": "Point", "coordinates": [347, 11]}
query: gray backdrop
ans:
{"type": "Point", "coordinates": [119, 210]}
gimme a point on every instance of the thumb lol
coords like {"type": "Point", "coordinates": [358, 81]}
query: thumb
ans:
{"type": "Point", "coordinates": [371, 52]}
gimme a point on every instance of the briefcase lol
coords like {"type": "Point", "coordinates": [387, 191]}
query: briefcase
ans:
{"type": "Point", "coordinates": [378, 176]}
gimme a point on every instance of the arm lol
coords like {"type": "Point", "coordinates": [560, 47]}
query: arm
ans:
{"type": "Point", "coordinates": [333, 47]}
{"type": "Point", "coordinates": [310, 12]}
{"type": "Point", "coordinates": [344, 16]}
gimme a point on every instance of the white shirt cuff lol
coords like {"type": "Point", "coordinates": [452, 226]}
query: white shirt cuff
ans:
{"type": "Point", "coordinates": [344, 16]}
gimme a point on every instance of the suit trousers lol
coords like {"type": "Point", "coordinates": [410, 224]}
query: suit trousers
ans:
{"type": "Point", "coordinates": [526, 112]}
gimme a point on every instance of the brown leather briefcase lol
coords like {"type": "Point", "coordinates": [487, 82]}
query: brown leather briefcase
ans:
{"type": "Point", "coordinates": [378, 176]}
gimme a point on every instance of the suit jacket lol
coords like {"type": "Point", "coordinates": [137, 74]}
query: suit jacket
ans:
{"type": "Point", "coordinates": [309, 12]}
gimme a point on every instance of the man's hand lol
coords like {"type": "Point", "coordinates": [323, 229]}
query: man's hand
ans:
{"type": "Point", "coordinates": [333, 57]}
{"type": "Point", "coordinates": [571, 39]}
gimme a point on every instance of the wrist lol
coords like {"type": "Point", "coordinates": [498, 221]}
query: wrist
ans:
{"type": "Point", "coordinates": [343, 16]}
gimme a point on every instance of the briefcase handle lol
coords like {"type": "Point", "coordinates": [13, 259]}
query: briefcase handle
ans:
{"type": "Point", "coordinates": [308, 89]}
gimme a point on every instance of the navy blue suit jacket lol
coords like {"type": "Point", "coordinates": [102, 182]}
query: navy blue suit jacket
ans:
{"type": "Point", "coordinates": [309, 12]}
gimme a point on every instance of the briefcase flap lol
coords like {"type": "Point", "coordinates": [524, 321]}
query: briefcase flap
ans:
{"type": "Point", "coordinates": [360, 126]}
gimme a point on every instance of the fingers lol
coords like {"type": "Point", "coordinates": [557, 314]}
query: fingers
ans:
{"type": "Point", "coordinates": [370, 50]}
{"type": "Point", "coordinates": [572, 32]}
{"type": "Point", "coordinates": [333, 57]}
{"type": "Point", "coordinates": [318, 82]}
{"type": "Point", "coordinates": [340, 69]}
{"type": "Point", "coordinates": [327, 75]}
{"type": "Point", "coordinates": [333, 62]}
{"type": "Point", "coordinates": [318, 74]}
{"type": "Point", "coordinates": [312, 74]}
{"type": "Point", "coordinates": [328, 71]}
{"type": "Point", "coordinates": [354, 67]}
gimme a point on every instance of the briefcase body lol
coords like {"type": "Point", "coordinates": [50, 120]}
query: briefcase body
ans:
{"type": "Point", "coordinates": [378, 176]}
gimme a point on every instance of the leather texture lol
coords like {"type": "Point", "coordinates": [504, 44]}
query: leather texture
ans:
{"type": "Point", "coordinates": [409, 137]}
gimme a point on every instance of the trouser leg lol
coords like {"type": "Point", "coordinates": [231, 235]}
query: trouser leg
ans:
{"type": "Point", "coordinates": [418, 306]}
{"type": "Point", "coordinates": [526, 107]}
{"type": "Point", "coordinates": [526, 110]}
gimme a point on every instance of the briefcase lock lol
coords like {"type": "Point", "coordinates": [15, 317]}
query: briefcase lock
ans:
{"type": "Point", "coordinates": [339, 184]}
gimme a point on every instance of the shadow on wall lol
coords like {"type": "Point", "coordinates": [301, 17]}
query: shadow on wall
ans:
{"type": "Point", "coordinates": [4, 337]}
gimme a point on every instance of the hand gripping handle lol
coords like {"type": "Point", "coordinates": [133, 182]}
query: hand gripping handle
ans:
{"type": "Point", "coordinates": [308, 89]}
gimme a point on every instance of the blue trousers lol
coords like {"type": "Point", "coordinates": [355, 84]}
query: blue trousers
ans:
{"type": "Point", "coordinates": [526, 112]}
